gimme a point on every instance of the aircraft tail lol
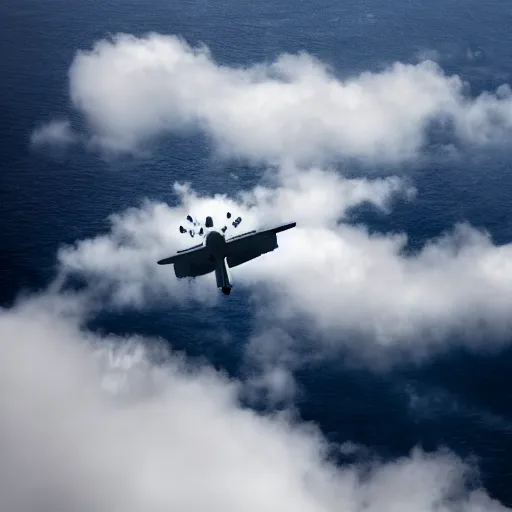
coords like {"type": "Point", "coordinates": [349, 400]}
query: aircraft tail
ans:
{"type": "Point", "coordinates": [222, 277]}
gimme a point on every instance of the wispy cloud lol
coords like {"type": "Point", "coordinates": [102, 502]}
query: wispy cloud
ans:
{"type": "Point", "coordinates": [57, 133]}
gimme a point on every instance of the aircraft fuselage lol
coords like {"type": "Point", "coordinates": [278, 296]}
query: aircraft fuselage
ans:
{"type": "Point", "coordinates": [216, 244]}
{"type": "Point", "coordinates": [216, 253]}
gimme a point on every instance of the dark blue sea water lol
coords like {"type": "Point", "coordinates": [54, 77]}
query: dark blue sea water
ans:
{"type": "Point", "coordinates": [460, 400]}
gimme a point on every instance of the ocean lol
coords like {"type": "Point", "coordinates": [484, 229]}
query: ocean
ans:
{"type": "Point", "coordinates": [459, 400]}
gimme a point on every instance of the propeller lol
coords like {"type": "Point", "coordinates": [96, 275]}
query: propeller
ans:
{"type": "Point", "coordinates": [235, 223]}
{"type": "Point", "coordinates": [191, 231]}
{"type": "Point", "coordinates": [208, 224]}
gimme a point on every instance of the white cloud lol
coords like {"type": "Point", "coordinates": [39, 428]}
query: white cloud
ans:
{"type": "Point", "coordinates": [360, 290]}
{"type": "Point", "coordinates": [122, 263]}
{"type": "Point", "coordinates": [91, 423]}
{"type": "Point", "coordinates": [350, 288]}
{"type": "Point", "coordinates": [53, 134]}
{"type": "Point", "coordinates": [294, 109]}
{"type": "Point", "coordinates": [88, 423]}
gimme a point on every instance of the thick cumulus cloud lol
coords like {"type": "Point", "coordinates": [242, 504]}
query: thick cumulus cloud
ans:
{"type": "Point", "coordinates": [355, 289]}
{"type": "Point", "coordinates": [295, 108]}
{"type": "Point", "coordinates": [361, 289]}
{"type": "Point", "coordinates": [106, 424]}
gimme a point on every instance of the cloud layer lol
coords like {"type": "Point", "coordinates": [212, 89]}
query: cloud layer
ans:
{"type": "Point", "coordinates": [122, 263]}
{"type": "Point", "coordinates": [97, 424]}
{"type": "Point", "coordinates": [131, 90]}
{"type": "Point", "coordinates": [356, 289]}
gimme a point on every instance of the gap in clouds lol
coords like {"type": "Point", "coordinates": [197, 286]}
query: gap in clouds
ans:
{"type": "Point", "coordinates": [470, 188]}
{"type": "Point", "coordinates": [215, 334]}
{"type": "Point", "coordinates": [432, 406]}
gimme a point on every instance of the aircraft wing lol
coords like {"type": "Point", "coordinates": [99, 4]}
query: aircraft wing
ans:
{"type": "Point", "coordinates": [192, 262]}
{"type": "Point", "coordinates": [250, 245]}
{"type": "Point", "coordinates": [180, 255]}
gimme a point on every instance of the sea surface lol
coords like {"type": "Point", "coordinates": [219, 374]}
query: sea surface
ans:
{"type": "Point", "coordinates": [460, 400]}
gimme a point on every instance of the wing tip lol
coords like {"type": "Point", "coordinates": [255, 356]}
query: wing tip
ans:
{"type": "Point", "coordinates": [284, 227]}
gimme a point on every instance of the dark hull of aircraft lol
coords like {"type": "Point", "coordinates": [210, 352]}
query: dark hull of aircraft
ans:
{"type": "Point", "coordinates": [216, 254]}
